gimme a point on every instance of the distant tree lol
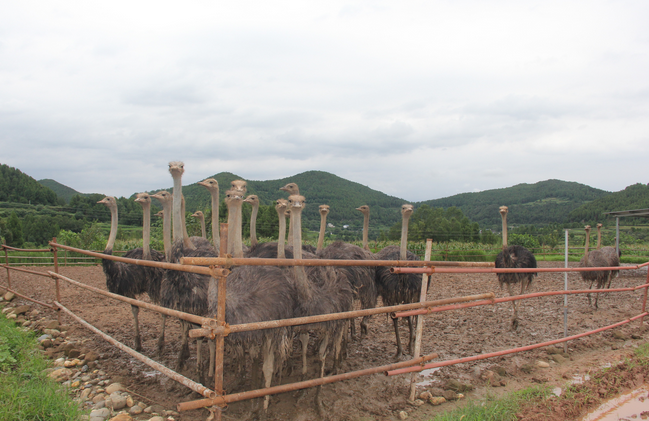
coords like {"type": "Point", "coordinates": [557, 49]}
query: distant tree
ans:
{"type": "Point", "coordinates": [14, 231]}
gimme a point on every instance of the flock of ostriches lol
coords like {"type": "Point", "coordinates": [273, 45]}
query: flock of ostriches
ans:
{"type": "Point", "coordinates": [262, 293]}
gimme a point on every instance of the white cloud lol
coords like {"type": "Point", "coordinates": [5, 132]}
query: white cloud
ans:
{"type": "Point", "coordinates": [420, 99]}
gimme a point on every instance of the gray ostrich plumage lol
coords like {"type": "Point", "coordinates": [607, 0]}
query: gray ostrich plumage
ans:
{"type": "Point", "coordinates": [397, 289]}
{"type": "Point", "coordinates": [605, 257]}
{"type": "Point", "coordinates": [127, 279]}
{"type": "Point", "coordinates": [514, 257]}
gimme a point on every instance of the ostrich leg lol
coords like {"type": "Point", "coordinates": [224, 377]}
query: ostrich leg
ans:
{"type": "Point", "coordinates": [138, 342]}
{"type": "Point", "coordinates": [364, 325]}
{"type": "Point", "coordinates": [183, 355]}
{"type": "Point", "coordinates": [411, 342]}
{"type": "Point", "coordinates": [304, 339]}
{"type": "Point", "coordinates": [268, 368]}
{"type": "Point", "coordinates": [322, 355]}
{"type": "Point", "coordinates": [515, 317]}
{"type": "Point", "coordinates": [396, 332]}
{"type": "Point", "coordinates": [161, 338]}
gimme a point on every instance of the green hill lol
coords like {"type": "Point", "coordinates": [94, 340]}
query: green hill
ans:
{"type": "Point", "coordinates": [64, 192]}
{"type": "Point", "coordinates": [17, 187]}
{"type": "Point", "coordinates": [319, 187]}
{"type": "Point", "coordinates": [633, 197]}
{"type": "Point", "coordinates": [542, 203]}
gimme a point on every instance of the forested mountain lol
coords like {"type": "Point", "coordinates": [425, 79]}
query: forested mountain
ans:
{"type": "Point", "coordinates": [550, 202]}
{"type": "Point", "coordinates": [633, 197]}
{"type": "Point", "coordinates": [63, 192]}
{"type": "Point", "coordinates": [319, 187]}
{"type": "Point", "coordinates": [545, 202]}
{"type": "Point", "coordinates": [15, 186]}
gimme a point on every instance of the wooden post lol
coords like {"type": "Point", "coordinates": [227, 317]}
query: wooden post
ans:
{"type": "Point", "coordinates": [7, 262]}
{"type": "Point", "coordinates": [56, 280]}
{"type": "Point", "coordinates": [420, 319]}
{"type": "Point", "coordinates": [219, 352]}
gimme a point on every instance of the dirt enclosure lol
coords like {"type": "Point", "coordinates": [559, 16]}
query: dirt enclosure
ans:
{"type": "Point", "coordinates": [452, 334]}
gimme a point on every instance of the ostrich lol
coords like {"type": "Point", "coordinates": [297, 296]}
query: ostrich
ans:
{"type": "Point", "coordinates": [184, 291]}
{"type": "Point", "coordinates": [254, 202]}
{"type": "Point", "coordinates": [324, 210]}
{"type": "Point", "coordinates": [397, 289]}
{"type": "Point", "coordinates": [514, 257]}
{"type": "Point", "coordinates": [160, 214]}
{"type": "Point", "coordinates": [597, 258]}
{"type": "Point", "coordinates": [154, 275]}
{"type": "Point", "coordinates": [319, 291]}
{"type": "Point", "coordinates": [361, 278]}
{"type": "Point", "coordinates": [254, 294]}
{"type": "Point", "coordinates": [365, 210]}
{"type": "Point", "coordinates": [213, 187]}
{"type": "Point", "coordinates": [201, 217]}
{"type": "Point", "coordinates": [123, 278]}
{"type": "Point", "coordinates": [290, 188]}
{"type": "Point", "coordinates": [612, 255]}
{"type": "Point", "coordinates": [194, 241]}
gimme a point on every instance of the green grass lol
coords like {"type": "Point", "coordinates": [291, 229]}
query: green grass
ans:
{"type": "Point", "coordinates": [26, 393]}
{"type": "Point", "coordinates": [494, 409]}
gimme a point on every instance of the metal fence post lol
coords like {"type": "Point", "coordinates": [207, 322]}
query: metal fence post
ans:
{"type": "Point", "coordinates": [420, 319]}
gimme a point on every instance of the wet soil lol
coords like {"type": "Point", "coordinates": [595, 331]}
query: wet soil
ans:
{"type": "Point", "coordinates": [452, 334]}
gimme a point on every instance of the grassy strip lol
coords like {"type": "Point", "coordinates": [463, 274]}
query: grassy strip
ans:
{"type": "Point", "coordinates": [26, 393]}
{"type": "Point", "coordinates": [495, 409]}
{"type": "Point", "coordinates": [539, 403]}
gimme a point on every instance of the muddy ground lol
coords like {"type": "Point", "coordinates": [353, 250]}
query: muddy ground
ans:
{"type": "Point", "coordinates": [452, 334]}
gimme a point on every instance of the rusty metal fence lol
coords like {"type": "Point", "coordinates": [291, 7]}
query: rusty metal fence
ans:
{"type": "Point", "coordinates": [217, 328]}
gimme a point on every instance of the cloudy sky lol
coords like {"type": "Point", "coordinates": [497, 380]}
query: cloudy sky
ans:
{"type": "Point", "coordinates": [418, 99]}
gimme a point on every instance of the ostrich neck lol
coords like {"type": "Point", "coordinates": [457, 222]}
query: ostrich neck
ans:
{"type": "Point", "coordinates": [146, 230]}
{"type": "Point", "coordinates": [323, 225]}
{"type": "Point", "coordinates": [203, 231]}
{"type": "Point", "coordinates": [235, 245]}
{"type": "Point", "coordinates": [216, 237]}
{"type": "Point", "coordinates": [113, 229]}
{"type": "Point", "coordinates": [178, 209]}
{"type": "Point", "coordinates": [504, 217]}
{"type": "Point", "coordinates": [599, 238]}
{"type": "Point", "coordinates": [188, 243]}
{"type": "Point", "coordinates": [290, 234]}
{"type": "Point", "coordinates": [303, 284]}
{"type": "Point", "coordinates": [403, 254]}
{"type": "Point", "coordinates": [253, 225]}
{"type": "Point", "coordinates": [166, 229]}
{"type": "Point", "coordinates": [366, 231]}
{"type": "Point", "coordinates": [281, 239]}
{"type": "Point", "coordinates": [586, 247]}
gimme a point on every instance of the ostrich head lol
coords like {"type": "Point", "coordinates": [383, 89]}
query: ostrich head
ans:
{"type": "Point", "coordinates": [252, 199]}
{"type": "Point", "coordinates": [176, 168]}
{"type": "Point", "coordinates": [280, 206]}
{"type": "Point", "coordinates": [143, 198]}
{"type": "Point", "coordinates": [198, 214]}
{"type": "Point", "coordinates": [239, 185]}
{"type": "Point", "coordinates": [291, 188]}
{"type": "Point", "coordinates": [109, 201]}
{"type": "Point", "coordinates": [296, 202]}
{"type": "Point", "coordinates": [365, 210]}
{"type": "Point", "coordinates": [160, 214]}
{"type": "Point", "coordinates": [324, 210]}
{"type": "Point", "coordinates": [210, 184]}
{"type": "Point", "coordinates": [164, 197]}
{"type": "Point", "coordinates": [406, 210]}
